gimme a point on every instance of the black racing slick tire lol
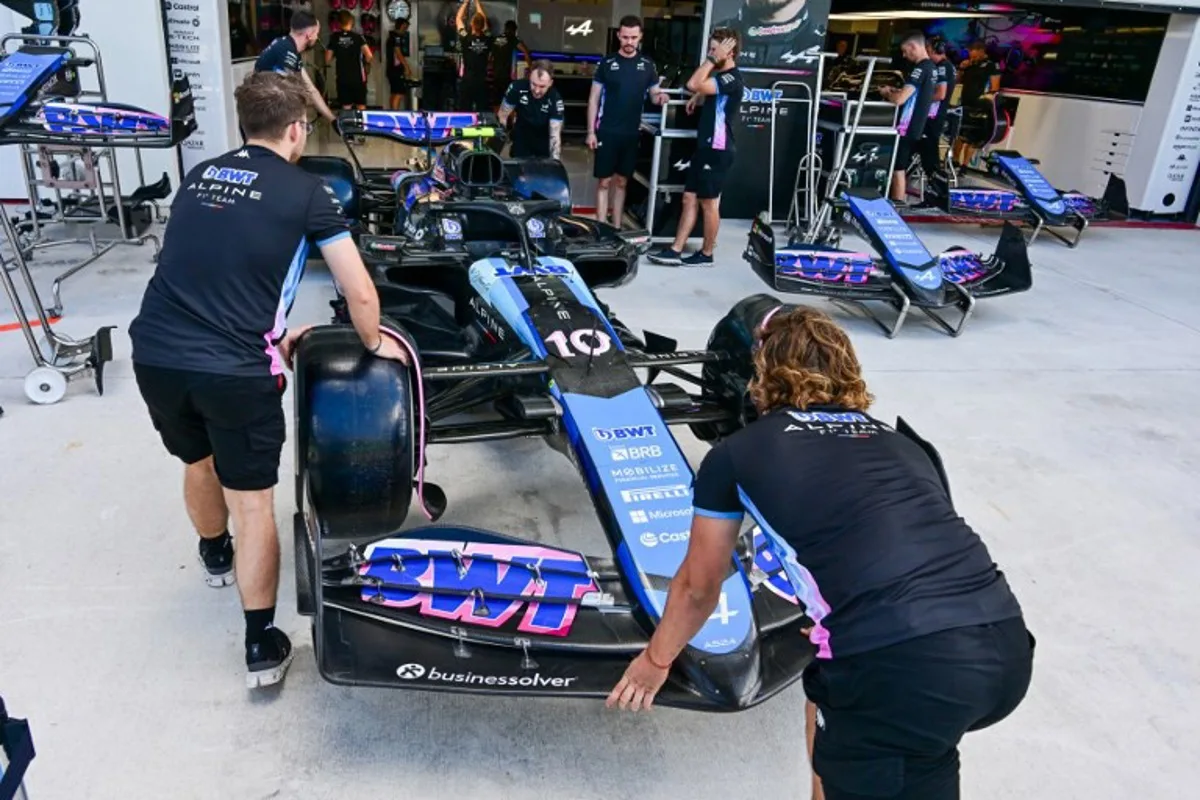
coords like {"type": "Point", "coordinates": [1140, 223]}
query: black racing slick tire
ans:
{"type": "Point", "coordinates": [356, 434]}
{"type": "Point", "coordinates": [726, 380]}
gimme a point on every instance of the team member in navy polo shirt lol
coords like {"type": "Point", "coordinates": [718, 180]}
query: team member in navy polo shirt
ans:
{"type": "Point", "coordinates": [284, 55]}
{"type": "Point", "coordinates": [619, 88]}
{"type": "Point", "coordinates": [717, 84]}
{"type": "Point", "coordinates": [918, 636]}
{"type": "Point", "coordinates": [210, 342]}
{"type": "Point", "coordinates": [539, 108]}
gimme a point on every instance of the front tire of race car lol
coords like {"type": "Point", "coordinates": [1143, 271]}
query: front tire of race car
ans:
{"type": "Point", "coordinates": [356, 431]}
{"type": "Point", "coordinates": [726, 380]}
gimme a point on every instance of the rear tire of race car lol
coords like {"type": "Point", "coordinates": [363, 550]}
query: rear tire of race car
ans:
{"type": "Point", "coordinates": [355, 430]}
{"type": "Point", "coordinates": [726, 379]}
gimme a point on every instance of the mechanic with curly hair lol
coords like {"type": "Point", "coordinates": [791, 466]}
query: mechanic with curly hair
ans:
{"type": "Point", "coordinates": [918, 637]}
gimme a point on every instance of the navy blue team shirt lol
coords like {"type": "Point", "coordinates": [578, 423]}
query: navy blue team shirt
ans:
{"type": "Point", "coordinates": [880, 555]}
{"type": "Point", "coordinates": [234, 250]}
{"type": "Point", "coordinates": [720, 112]}
{"type": "Point", "coordinates": [280, 56]}
{"type": "Point", "coordinates": [625, 83]}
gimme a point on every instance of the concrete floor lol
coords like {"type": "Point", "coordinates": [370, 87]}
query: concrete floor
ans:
{"type": "Point", "coordinates": [1067, 419]}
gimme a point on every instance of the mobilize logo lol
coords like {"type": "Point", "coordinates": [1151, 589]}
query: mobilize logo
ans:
{"type": "Point", "coordinates": [630, 474]}
{"type": "Point", "coordinates": [655, 539]}
{"type": "Point", "coordinates": [678, 490]}
{"type": "Point", "coordinates": [416, 672]}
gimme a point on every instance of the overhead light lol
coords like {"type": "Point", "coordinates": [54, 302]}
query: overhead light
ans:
{"type": "Point", "coordinates": [883, 15]}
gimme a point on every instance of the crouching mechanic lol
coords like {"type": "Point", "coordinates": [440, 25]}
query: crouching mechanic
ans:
{"type": "Point", "coordinates": [918, 636]}
{"type": "Point", "coordinates": [537, 131]}
{"type": "Point", "coordinates": [717, 77]}
{"type": "Point", "coordinates": [210, 346]}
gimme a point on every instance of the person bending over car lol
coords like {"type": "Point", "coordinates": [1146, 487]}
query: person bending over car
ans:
{"type": "Point", "coordinates": [918, 636]}
{"type": "Point", "coordinates": [539, 109]}
{"type": "Point", "coordinates": [210, 344]}
{"type": "Point", "coordinates": [719, 78]}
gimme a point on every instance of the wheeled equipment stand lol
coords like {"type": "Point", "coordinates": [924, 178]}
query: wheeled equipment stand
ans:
{"type": "Point", "coordinates": [61, 360]}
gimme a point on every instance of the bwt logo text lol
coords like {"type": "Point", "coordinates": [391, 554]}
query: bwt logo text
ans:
{"type": "Point", "coordinates": [624, 432]}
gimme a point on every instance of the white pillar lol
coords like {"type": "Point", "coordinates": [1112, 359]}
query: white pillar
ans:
{"type": "Point", "coordinates": [1166, 148]}
{"type": "Point", "coordinates": [198, 44]}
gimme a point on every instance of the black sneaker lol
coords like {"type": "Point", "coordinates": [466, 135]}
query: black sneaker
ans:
{"type": "Point", "coordinates": [267, 661]}
{"type": "Point", "coordinates": [697, 259]}
{"type": "Point", "coordinates": [666, 255]}
{"type": "Point", "coordinates": [218, 561]}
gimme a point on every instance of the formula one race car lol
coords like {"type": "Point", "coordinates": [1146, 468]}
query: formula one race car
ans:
{"type": "Point", "coordinates": [904, 275]}
{"type": "Point", "coordinates": [447, 607]}
{"type": "Point", "coordinates": [382, 200]}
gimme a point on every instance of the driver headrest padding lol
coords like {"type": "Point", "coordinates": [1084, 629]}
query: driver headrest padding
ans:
{"type": "Point", "coordinates": [480, 168]}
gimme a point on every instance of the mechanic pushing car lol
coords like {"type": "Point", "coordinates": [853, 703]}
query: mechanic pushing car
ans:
{"type": "Point", "coordinates": [475, 48]}
{"type": "Point", "coordinates": [914, 99]}
{"type": "Point", "coordinates": [719, 78]}
{"type": "Point", "coordinates": [210, 345]}
{"type": "Point", "coordinates": [918, 637]}
{"type": "Point", "coordinates": [537, 131]}
{"type": "Point", "coordinates": [284, 55]}
{"type": "Point", "coordinates": [619, 88]}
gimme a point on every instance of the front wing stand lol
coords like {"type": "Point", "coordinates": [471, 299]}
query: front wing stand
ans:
{"type": "Point", "coordinates": [899, 302]}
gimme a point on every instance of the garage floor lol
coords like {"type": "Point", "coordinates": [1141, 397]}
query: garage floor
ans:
{"type": "Point", "coordinates": [1067, 417]}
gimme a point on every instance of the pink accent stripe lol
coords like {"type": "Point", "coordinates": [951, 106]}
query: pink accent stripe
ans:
{"type": "Point", "coordinates": [416, 363]}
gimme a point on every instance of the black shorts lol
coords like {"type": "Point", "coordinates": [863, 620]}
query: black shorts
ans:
{"type": "Point", "coordinates": [239, 421]}
{"type": "Point", "coordinates": [351, 91]}
{"type": "Point", "coordinates": [889, 721]}
{"type": "Point", "coordinates": [396, 81]}
{"type": "Point", "coordinates": [616, 154]}
{"type": "Point", "coordinates": [906, 148]}
{"type": "Point", "coordinates": [473, 95]}
{"type": "Point", "coordinates": [706, 175]}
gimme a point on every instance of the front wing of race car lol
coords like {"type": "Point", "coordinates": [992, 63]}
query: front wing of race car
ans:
{"type": "Point", "coordinates": [901, 273]}
{"type": "Point", "coordinates": [461, 609]}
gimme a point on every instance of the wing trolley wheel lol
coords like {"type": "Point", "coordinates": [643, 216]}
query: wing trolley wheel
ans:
{"type": "Point", "coordinates": [45, 386]}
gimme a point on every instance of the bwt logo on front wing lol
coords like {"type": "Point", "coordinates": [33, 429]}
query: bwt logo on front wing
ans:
{"type": "Point", "coordinates": [418, 672]}
{"type": "Point", "coordinates": [678, 490]}
{"type": "Point", "coordinates": [625, 432]}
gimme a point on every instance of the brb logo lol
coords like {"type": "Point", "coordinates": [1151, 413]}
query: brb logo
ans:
{"type": "Point", "coordinates": [636, 453]}
{"type": "Point", "coordinates": [464, 581]}
{"type": "Point", "coordinates": [624, 432]}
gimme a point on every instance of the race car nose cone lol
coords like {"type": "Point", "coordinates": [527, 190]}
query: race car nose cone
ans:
{"type": "Point", "coordinates": [731, 680]}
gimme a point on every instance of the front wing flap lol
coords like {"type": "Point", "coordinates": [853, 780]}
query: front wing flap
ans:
{"type": "Point", "coordinates": [460, 609]}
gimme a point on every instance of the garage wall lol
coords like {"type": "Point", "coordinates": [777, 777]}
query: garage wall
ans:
{"type": "Point", "coordinates": [1078, 141]}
